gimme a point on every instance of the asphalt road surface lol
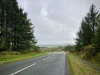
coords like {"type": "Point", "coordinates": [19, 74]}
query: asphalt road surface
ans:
{"type": "Point", "coordinates": [50, 64]}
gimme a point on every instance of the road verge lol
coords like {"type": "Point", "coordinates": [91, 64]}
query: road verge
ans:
{"type": "Point", "coordinates": [77, 67]}
{"type": "Point", "coordinates": [4, 59]}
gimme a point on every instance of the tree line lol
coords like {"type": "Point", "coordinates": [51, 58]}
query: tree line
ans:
{"type": "Point", "coordinates": [69, 47]}
{"type": "Point", "coordinates": [16, 30]}
{"type": "Point", "coordinates": [89, 31]}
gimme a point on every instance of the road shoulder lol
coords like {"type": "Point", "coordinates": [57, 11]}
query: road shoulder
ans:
{"type": "Point", "coordinates": [77, 67]}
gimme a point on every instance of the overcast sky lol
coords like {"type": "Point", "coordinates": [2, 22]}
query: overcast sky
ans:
{"type": "Point", "coordinates": [56, 21]}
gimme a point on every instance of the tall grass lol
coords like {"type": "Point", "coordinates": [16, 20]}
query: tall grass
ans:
{"type": "Point", "coordinates": [6, 57]}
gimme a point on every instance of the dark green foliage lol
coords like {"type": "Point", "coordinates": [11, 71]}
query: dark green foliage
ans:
{"type": "Point", "coordinates": [87, 29]}
{"type": "Point", "coordinates": [96, 40]}
{"type": "Point", "coordinates": [2, 27]}
{"type": "Point", "coordinates": [59, 46]}
{"type": "Point", "coordinates": [16, 31]}
{"type": "Point", "coordinates": [36, 48]}
{"type": "Point", "coordinates": [70, 47]}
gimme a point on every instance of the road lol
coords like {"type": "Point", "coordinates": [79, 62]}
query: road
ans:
{"type": "Point", "coordinates": [50, 64]}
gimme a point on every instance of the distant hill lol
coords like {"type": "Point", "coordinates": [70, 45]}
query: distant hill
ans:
{"type": "Point", "coordinates": [53, 45]}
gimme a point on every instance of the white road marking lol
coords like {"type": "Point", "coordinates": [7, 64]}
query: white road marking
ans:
{"type": "Point", "coordinates": [46, 58]}
{"type": "Point", "coordinates": [55, 55]}
{"type": "Point", "coordinates": [23, 69]}
{"type": "Point", "coordinates": [49, 57]}
{"type": "Point", "coordinates": [30, 66]}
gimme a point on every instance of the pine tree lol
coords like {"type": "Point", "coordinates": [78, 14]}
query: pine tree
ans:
{"type": "Point", "coordinates": [8, 13]}
{"type": "Point", "coordinates": [96, 40]}
{"type": "Point", "coordinates": [79, 40]}
{"type": "Point", "coordinates": [93, 15]}
{"type": "Point", "coordinates": [87, 29]}
{"type": "Point", "coordinates": [2, 25]}
{"type": "Point", "coordinates": [16, 30]}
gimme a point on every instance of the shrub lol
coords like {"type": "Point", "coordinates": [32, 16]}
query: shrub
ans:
{"type": "Point", "coordinates": [89, 51]}
{"type": "Point", "coordinates": [5, 53]}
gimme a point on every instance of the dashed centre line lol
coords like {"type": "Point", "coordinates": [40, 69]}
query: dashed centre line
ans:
{"type": "Point", "coordinates": [46, 58]}
{"type": "Point", "coordinates": [23, 69]}
{"type": "Point", "coordinates": [30, 66]}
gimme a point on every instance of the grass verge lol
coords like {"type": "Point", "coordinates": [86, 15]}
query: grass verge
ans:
{"type": "Point", "coordinates": [15, 56]}
{"type": "Point", "coordinates": [76, 67]}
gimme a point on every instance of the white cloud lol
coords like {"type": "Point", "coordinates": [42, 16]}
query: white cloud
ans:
{"type": "Point", "coordinates": [44, 10]}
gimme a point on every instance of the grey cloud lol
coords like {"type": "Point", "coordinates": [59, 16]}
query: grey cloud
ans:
{"type": "Point", "coordinates": [56, 21]}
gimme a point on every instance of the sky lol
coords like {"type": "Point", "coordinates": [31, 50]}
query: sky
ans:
{"type": "Point", "coordinates": [56, 21]}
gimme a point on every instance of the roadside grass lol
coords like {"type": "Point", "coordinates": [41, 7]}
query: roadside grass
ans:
{"type": "Point", "coordinates": [76, 67]}
{"type": "Point", "coordinates": [8, 57]}
{"type": "Point", "coordinates": [93, 59]}
{"type": "Point", "coordinates": [96, 60]}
